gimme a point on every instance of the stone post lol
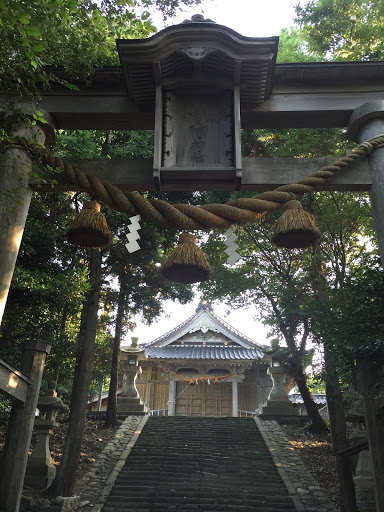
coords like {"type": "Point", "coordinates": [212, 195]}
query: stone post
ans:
{"type": "Point", "coordinates": [15, 197]}
{"type": "Point", "coordinates": [128, 402]}
{"type": "Point", "coordinates": [40, 472]}
{"type": "Point", "coordinates": [19, 433]}
{"type": "Point", "coordinates": [171, 398]}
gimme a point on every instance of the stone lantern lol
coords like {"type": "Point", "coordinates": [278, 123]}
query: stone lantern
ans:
{"type": "Point", "coordinates": [363, 478]}
{"type": "Point", "coordinates": [278, 403]}
{"type": "Point", "coordinates": [129, 402]}
{"type": "Point", "coordinates": [40, 471]}
{"type": "Point", "coordinates": [197, 76]}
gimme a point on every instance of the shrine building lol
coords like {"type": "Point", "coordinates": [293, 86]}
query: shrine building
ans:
{"type": "Point", "coordinates": [204, 367]}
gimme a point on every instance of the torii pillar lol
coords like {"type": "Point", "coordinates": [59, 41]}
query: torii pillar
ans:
{"type": "Point", "coordinates": [15, 194]}
{"type": "Point", "coordinates": [366, 122]}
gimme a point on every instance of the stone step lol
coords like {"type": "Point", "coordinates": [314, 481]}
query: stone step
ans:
{"type": "Point", "coordinates": [199, 464]}
{"type": "Point", "coordinates": [204, 503]}
{"type": "Point", "coordinates": [181, 474]}
{"type": "Point", "coordinates": [191, 492]}
{"type": "Point", "coordinates": [190, 508]}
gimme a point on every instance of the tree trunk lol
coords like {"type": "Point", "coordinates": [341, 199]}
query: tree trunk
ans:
{"type": "Point", "coordinates": [339, 433]}
{"type": "Point", "coordinates": [65, 476]}
{"type": "Point", "coordinates": [111, 418]}
{"type": "Point", "coordinates": [336, 413]}
{"type": "Point", "coordinates": [318, 423]}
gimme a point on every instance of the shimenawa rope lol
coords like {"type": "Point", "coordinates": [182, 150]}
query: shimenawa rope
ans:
{"type": "Point", "coordinates": [189, 217]}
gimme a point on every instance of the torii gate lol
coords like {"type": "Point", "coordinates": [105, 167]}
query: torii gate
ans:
{"type": "Point", "coordinates": [196, 85]}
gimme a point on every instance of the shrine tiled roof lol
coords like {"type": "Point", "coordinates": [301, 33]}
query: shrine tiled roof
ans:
{"type": "Point", "coordinates": [204, 352]}
{"type": "Point", "coordinates": [204, 336]}
{"type": "Point", "coordinates": [189, 322]}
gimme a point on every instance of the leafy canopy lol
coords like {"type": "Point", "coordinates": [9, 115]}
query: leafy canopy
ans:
{"type": "Point", "coordinates": [78, 35]}
{"type": "Point", "coordinates": [343, 29]}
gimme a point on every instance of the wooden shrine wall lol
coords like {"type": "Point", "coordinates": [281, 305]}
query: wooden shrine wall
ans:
{"type": "Point", "coordinates": [204, 399]}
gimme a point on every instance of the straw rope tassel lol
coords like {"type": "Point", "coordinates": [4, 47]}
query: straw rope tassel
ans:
{"type": "Point", "coordinates": [89, 228]}
{"type": "Point", "coordinates": [187, 264]}
{"type": "Point", "coordinates": [296, 228]}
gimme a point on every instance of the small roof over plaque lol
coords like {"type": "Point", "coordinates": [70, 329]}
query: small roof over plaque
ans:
{"type": "Point", "coordinates": [202, 51]}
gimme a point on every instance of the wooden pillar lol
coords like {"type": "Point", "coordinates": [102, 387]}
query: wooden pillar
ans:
{"type": "Point", "coordinates": [15, 197]}
{"type": "Point", "coordinates": [235, 398]}
{"type": "Point", "coordinates": [171, 398]}
{"type": "Point", "coordinates": [100, 398]}
{"type": "Point", "coordinates": [15, 456]}
{"type": "Point", "coordinates": [366, 122]}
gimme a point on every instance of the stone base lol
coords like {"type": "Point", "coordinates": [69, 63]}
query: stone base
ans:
{"type": "Point", "coordinates": [278, 408]}
{"type": "Point", "coordinates": [39, 477]}
{"type": "Point", "coordinates": [130, 406]}
{"type": "Point", "coordinates": [101, 415]}
{"type": "Point", "coordinates": [365, 493]}
{"type": "Point", "coordinates": [67, 504]}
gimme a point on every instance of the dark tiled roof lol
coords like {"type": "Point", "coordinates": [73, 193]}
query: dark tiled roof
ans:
{"type": "Point", "coordinates": [169, 333]}
{"type": "Point", "coordinates": [296, 398]}
{"type": "Point", "coordinates": [207, 352]}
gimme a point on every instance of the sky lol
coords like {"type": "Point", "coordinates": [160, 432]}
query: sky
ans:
{"type": "Point", "coordinates": [253, 18]}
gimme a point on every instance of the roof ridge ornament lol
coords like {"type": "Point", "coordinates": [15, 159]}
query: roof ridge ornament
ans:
{"type": "Point", "coordinates": [198, 18]}
{"type": "Point", "coordinates": [204, 326]}
{"type": "Point", "coordinates": [204, 304]}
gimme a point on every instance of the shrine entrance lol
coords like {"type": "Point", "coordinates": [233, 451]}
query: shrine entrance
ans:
{"type": "Point", "coordinates": [204, 399]}
{"type": "Point", "coordinates": [163, 84]}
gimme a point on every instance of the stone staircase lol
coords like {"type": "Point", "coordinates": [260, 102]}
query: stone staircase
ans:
{"type": "Point", "coordinates": [183, 464]}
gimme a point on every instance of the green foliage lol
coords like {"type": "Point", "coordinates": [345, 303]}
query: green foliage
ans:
{"type": "Point", "coordinates": [109, 143]}
{"type": "Point", "coordinates": [353, 322]}
{"type": "Point", "coordinates": [77, 35]}
{"type": "Point", "coordinates": [294, 48]}
{"type": "Point", "coordinates": [316, 383]}
{"type": "Point", "coordinates": [295, 143]}
{"type": "Point", "coordinates": [343, 29]}
{"type": "Point", "coordinates": [348, 240]}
